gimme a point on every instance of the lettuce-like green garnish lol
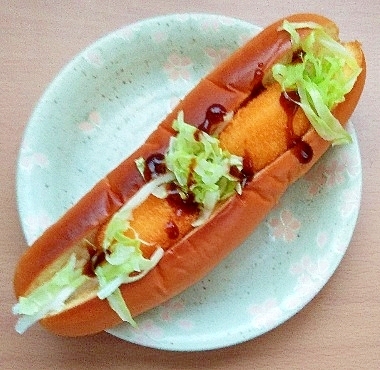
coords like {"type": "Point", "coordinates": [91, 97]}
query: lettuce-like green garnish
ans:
{"type": "Point", "coordinates": [49, 297]}
{"type": "Point", "coordinates": [201, 167]}
{"type": "Point", "coordinates": [326, 72]}
{"type": "Point", "coordinates": [124, 260]}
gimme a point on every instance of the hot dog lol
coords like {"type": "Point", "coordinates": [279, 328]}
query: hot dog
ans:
{"type": "Point", "coordinates": [162, 219]}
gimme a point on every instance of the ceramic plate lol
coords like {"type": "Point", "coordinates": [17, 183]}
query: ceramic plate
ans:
{"type": "Point", "coordinates": [104, 104]}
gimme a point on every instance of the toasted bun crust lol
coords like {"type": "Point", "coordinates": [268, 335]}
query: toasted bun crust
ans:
{"type": "Point", "coordinates": [193, 256]}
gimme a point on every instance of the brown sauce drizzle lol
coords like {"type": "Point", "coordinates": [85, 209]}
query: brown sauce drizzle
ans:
{"type": "Point", "coordinates": [172, 230]}
{"type": "Point", "coordinates": [214, 116]}
{"type": "Point", "coordinates": [257, 82]}
{"type": "Point", "coordinates": [300, 149]}
{"type": "Point", "coordinates": [245, 175]}
{"type": "Point", "coordinates": [303, 151]}
{"type": "Point", "coordinates": [288, 102]}
{"type": "Point", "coordinates": [257, 85]}
{"type": "Point", "coordinates": [96, 258]}
{"type": "Point", "coordinates": [187, 205]}
{"type": "Point", "coordinates": [247, 172]}
{"type": "Point", "coordinates": [154, 166]}
{"type": "Point", "coordinates": [88, 269]}
{"type": "Point", "coordinates": [298, 56]}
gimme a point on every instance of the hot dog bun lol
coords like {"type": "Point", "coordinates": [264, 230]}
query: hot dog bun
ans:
{"type": "Point", "coordinates": [194, 251]}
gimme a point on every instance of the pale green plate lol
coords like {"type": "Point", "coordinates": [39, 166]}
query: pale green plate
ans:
{"type": "Point", "coordinates": [103, 105]}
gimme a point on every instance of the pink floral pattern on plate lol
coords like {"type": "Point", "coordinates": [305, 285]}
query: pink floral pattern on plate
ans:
{"type": "Point", "coordinates": [265, 314]}
{"type": "Point", "coordinates": [350, 202]}
{"type": "Point", "coordinates": [178, 67]}
{"type": "Point", "coordinates": [34, 159]}
{"type": "Point", "coordinates": [93, 121]}
{"type": "Point", "coordinates": [169, 313]}
{"type": "Point", "coordinates": [217, 55]}
{"type": "Point", "coordinates": [30, 159]}
{"type": "Point", "coordinates": [95, 58]}
{"type": "Point", "coordinates": [38, 221]}
{"type": "Point", "coordinates": [332, 173]}
{"type": "Point", "coordinates": [285, 226]}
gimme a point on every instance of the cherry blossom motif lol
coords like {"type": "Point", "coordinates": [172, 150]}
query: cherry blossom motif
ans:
{"type": "Point", "coordinates": [340, 245]}
{"type": "Point", "coordinates": [332, 173]}
{"type": "Point", "coordinates": [217, 55]}
{"type": "Point", "coordinates": [326, 174]}
{"type": "Point", "coordinates": [95, 57]}
{"type": "Point", "coordinates": [322, 239]}
{"type": "Point", "coordinates": [169, 313]}
{"type": "Point", "coordinates": [244, 38]}
{"type": "Point", "coordinates": [304, 289]}
{"type": "Point", "coordinates": [227, 21]}
{"type": "Point", "coordinates": [350, 202]}
{"type": "Point", "coordinates": [36, 223]}
{"type": "Point", "coordinates": [316, 178]}
{"type": "Point", "coordinates": [170, 309]}
{"type": "Point", "coordinates": [128, 33]}
{"type": "Point", "coordinates": [146, 331]}
{"type": "Point", "coordinates": [178, 66]}
{"type": "Point", "coordinates": [185, 324]}
{"type": "Point", "coordinates": [30, 160]}
{"type": "Point", "coordinates": [301, 266]}
{"type": "Point", "coordinates": [173, 102]}
{"type": "Point", "coordinates": [93, 121]}
{"type": "Point", "coordinates": [309, 275]}
{"type": "Point", "coordinates": [159, 36]}
{"type": "Point", "coordinates": [184, 17]}
{"type": "Point", "coordinates": [307, 268]}
{"type": "Point", "coordinates": [335, 172]}
{"type": "Point", "coordinates": [351, 163]}
{"type": "Point", "coordinates": [210, 25]}
{"type": "Point", "coordinates": [285, 227]}
{"type": "Point", "coordinates": [266, 314]}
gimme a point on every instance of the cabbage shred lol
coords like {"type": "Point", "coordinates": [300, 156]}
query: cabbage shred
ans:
{"type": "Point", "coordinates": [326, 72]}
{"type": "Point", "coordinates": [201, 167]}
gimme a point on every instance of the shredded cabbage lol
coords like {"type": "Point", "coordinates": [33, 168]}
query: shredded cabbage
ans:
{"type": "Point", "coordinates": [49, 297]}
{"type": "Point", "coordinates": [201, 167]}
{"type": "Point", "coordinates": [124, 260]}
{"type": "Point", "coordinates": [326, 73]}
{"type": "Point", "coordinates": [117, 303]}
{"type": "Point", "coordinates": [117, 223]}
